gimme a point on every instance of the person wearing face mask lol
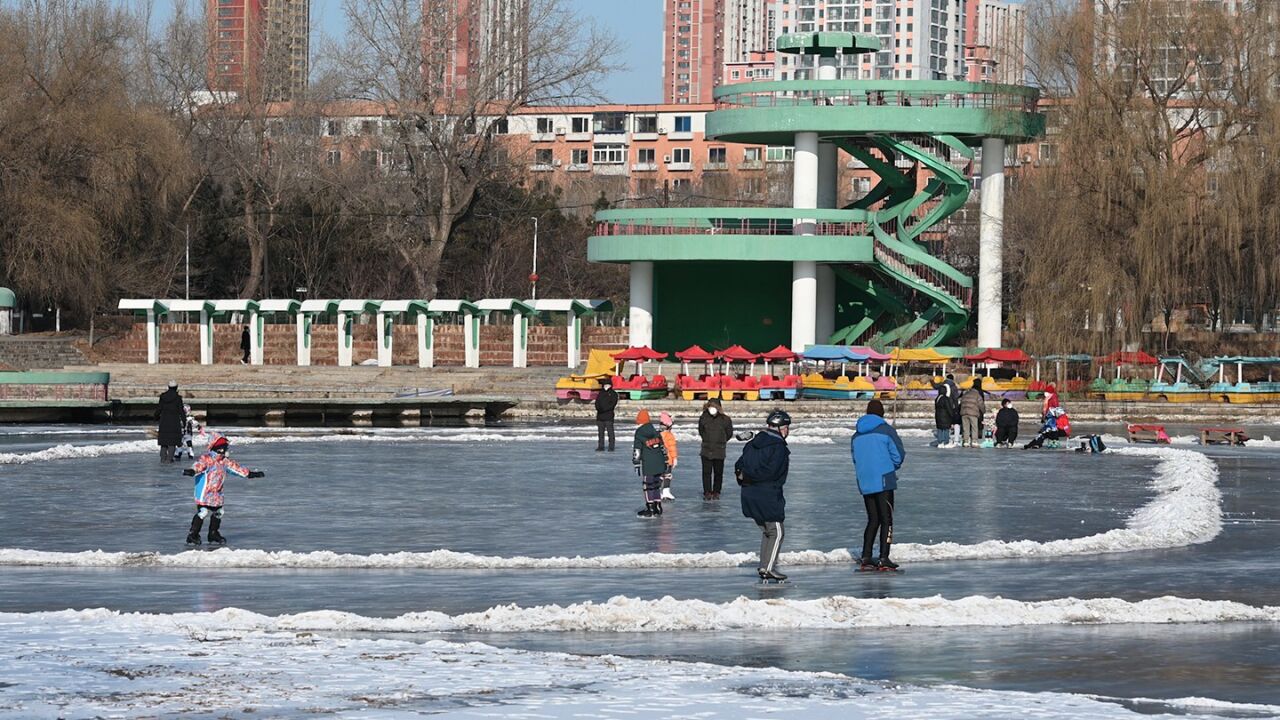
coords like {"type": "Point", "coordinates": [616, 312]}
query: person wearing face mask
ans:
{"type": "Point", "coordinates": [715, 428]}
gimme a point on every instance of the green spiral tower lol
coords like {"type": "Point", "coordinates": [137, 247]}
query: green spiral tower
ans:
{"type": "Point", "coordinates": [817, 272]}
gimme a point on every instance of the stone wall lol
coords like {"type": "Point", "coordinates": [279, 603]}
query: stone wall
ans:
{"type": "Point", "coordinates": [180, 344]}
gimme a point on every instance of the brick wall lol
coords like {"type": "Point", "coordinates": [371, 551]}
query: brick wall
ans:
{"type": "Point", "coordinates": [180, 343]}
{"type": "Point", "coordinates": [11, 391]}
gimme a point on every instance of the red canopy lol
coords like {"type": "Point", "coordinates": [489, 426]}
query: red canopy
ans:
{"type": "Point", "coordinates": [644, 352]}
{"type": "Point", "coordinates": [737, 353]}
{"type": "Point", "coordinates": [780, 354]}
{"type": "Point", "coordinates": [695, 353]}
{"type": "Point", "coordinates": [1128, 358]}
{"type": "Point", "coordinates": [997, 355]}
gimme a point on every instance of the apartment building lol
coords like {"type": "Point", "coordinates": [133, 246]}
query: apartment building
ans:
{"type": "Point", "coordinates": [259, 49]}
{"type": "Point", "coordinates": [919, 39]}
{"type": "Point", "coordinates": [701, 38]}
{"type": "Point", "coordinates": [996, 51]}
{"type": "Point", "coordinates": [476, 47]}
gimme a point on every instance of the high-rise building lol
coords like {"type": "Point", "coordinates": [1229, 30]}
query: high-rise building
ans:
{"type": "Point", "coordinates": [919, 39]}
{"type": "Point", "coordinates": [476, 48]}
{"type": "Point", "coordinates": [996, 48]}
{"type": "Point", "coordinates": [701, 38]}
{"type": "Point", "coordinates": [259, 49]}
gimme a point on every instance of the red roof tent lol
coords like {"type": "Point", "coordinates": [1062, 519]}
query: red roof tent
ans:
{"type": "Point", "coordinates": [695, 353]}
{"type": "Point", "coordinates": [737, 353]}
{"type": "Point", "coordinates": [1128, 358]}
{"type": "Point", "coordinates": [1009, 356]}
{"type": "Point", "coordinates": [780, 354]}
{"type": "Point", "coordinates": [644, 352]}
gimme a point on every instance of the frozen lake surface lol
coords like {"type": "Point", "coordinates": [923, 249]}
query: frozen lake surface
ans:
{"type": "Point", "coordinates": [1149, 576]}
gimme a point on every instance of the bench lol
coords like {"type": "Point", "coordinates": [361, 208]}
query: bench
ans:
{"type": "Point", "coordinates": [1222, 436]}
{"type": "Point", "coordinates": [1147, 432]}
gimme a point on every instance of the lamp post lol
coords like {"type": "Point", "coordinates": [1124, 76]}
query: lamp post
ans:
{"type": "Point", "coordinates": [533, 276]}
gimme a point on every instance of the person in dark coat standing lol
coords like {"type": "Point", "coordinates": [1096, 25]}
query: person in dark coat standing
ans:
{"type": "Point", "coordinates": [943, 418]}
{"type": "Point", "coordinates": [715, 428]}
{"type": "Point", "coordinates": [169, 435]}
{"type": "Point", "coordinates": [244, 345]}
{"type": "Point", "coordinates": [762, 471]}
{"type": "Point", "coordinates": [606, 401]}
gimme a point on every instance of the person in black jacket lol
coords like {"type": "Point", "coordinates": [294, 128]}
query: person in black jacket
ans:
{"type": "Point", "coordinates": [716, 429]}
{"type": "Point", "coordinates": [169, 435]}
{"type": "Point", "coordinates": [606, 401]}
{"type": "Point", "coordinates": [244, 345]}
{"type": "Point", "coordinates": [1006, 424]}
{"type": "Point", "coordinates": [942, 418]}
{"type": "Point", "coordinates": [762, 471]}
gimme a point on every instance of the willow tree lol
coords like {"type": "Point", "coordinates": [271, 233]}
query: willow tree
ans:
{"type": "Point", "coordinates": [446, 75]}
{"type": "Point", "coordinates": [1154, 103]}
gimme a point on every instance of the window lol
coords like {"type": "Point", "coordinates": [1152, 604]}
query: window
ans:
{"type": "Point", "coordinates": [501, 127]}
{"type": "Point", "coordinates": [684, 123]}
{"type": "Point", "coordinates": [646, 123]}
{"type": "Point", "coordinates": [646, 156]}
{"type": "Point", "coordinates": [580, 156]}
{"type": "Point", "coordinates": [609, 154]}
{"type": "Point", "coordinates": [753, 185]}
{"type": "Point", "coordinates": [332, 128]}
{"type": "Point", "coordinates": [542, 156]}
{"type": "Point", "coordinates": [717, 156]}
{"type": "Point", "coordinates": [681, 184]}
{"type": "Point", "coordinates": [334, 158]}
{"type": "Point", "coordinates": [368, 127]}
{"type": "Point", "coordinates": [779, 153]}
{"type": "Point", "coordinates": [681, 156]}
{"type": "Point", "coordinates": [734, 74]}
{"type": "Point", "coordinates": [610, 122]}
{"type": "Point", "coordinates": [369, 158]}
{"type": "Point", "coordinates": [544, 126]}
{"type": "Point", "coordinates": [751, 156]}
{"type": "Point", "coordinates": [580, 125]}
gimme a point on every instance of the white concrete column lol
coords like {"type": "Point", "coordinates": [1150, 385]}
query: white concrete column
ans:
{"type": "Point", "coordinates": [991, 244]}
{"type": "Point", "coordinates": [828, 153]}
{"type": "Point", "coordinates": [344, 339]}
{"type": "Point", "coordinates": [304, 339]}
{"type": "Point", "coordinates": [206, 338]}
{"type": "Point", "coordinates": [641, 304]}
{"type": "Point", "coordinates": [826, 311]}
{"type": "Point", "coordinates": [386, 336]}
{"type": "Point", "coordinates": [426, 344]}
{"type": "Point", "coordinates": [153, 339]}
{"type": "Point", "coordinates": [519, 340]}
{"type": "Point", "coordinates": [256, 330]}
{"type": "Point", "coordinates": [6, 324]}
{"type": "Point", "coordinates": [471, 340]}
{"type": "Point", "coordinates": [574, 339]}
{"type": "Point", "coordinates": [804, 273]}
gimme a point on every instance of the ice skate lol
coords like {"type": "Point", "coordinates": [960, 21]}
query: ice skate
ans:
{"type": "Point", "coordinates": [647, 512]}
{"type": "Point", "coordinates": [666, 494]}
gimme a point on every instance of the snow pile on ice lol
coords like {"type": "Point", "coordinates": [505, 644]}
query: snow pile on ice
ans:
{"type": "Point", "coordinates": [1186, 509]}
{"type": "Point", "coordinates": [165, 666]}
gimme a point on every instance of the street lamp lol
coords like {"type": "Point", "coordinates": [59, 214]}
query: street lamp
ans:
{"type": "Point", "coordinates": [533, 276]}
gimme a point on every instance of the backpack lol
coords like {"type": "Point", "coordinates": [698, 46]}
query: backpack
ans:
{"type": "Point", "coordinates": [1095, 444]}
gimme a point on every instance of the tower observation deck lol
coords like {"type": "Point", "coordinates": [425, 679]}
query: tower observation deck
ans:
{"type": "Point", "coordinates": [817, 272]}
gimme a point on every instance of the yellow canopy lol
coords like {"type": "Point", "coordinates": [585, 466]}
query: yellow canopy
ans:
{"type": "Point", "coordinates": [600, 363]}
{"type": "Point", "coordinates": [926, 355]}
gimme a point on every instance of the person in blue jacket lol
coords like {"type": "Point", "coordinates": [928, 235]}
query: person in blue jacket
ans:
{"type": "Point", "coordinates": [762, 471]}
{"type": "Point", "coordinates": [877, 455]}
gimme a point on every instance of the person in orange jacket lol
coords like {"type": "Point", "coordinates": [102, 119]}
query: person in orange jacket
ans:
{"type": "Point", "coordinates": [669, 442]}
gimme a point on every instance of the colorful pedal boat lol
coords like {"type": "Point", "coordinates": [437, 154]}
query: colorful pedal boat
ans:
{"type": "Point", "coordinates": [783, 388]}
{"type": "Point", "coordinates": [700, 387]}
{"type": "Point", "coordinates": [841, 388]}
{"type": "Point", "coordinates": [639, 387]}
{"type": "Point", "coordinates": [746, 387]}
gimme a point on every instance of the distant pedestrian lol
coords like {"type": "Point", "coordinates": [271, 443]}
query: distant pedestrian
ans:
{"type": "Point", "coordinates": [244, 345]}
{"type": "Point", "coordinates": [943, 417]}
{"type": "Point", "coordinates": [762, 471]}
{"type": "Point", "coordinates": [877, 456]}
{"type": "Point", "coordinates": [1006, 424]}
{"type": "Point", "coordinates": [649, 456]}
{"type": "Point", "coordinates": [171, 417]}
{"type": "Point", "coordinates": [715, 428]}
{"type": "Point", "coordinates": [973, 406]}
{"type": "Point", "coordinates": [606, 401]}
{"type": "Point", "coordinates": [952, 391]}
{"type": "Point", "coordinates": [665, 423]}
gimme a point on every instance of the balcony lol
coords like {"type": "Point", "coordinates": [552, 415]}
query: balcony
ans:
{"type": "Point", "coordinates": [715, 166]}
{"type": "Point", "coordinates": [679, 166]}
{"type": "Point", "coordinates": [751, 165]}
{"type": "Point", "coordinates": [611, 169]}
{"type": "Point", "coordinates": [578, 167]}
{"type": "Point", "coordinates": [578, 137]}
{"type": "Point", "coordinates": [542, 167]}
{"type": "Point", "coordinates": [542, 137]}
{"type": "Point", "coordinates": [644, 167]}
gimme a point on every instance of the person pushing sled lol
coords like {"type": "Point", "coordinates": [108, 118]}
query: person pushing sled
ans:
{"type": "Point", "coordinates": [210, 472]}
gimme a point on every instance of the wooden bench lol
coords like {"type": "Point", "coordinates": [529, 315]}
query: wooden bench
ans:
{"type": "Point", "coordinates": [1222, 436]}
{"type": "Point", "coordinates": [1147, 432]}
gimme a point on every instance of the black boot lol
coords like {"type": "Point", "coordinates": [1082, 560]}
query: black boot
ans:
{"type": "Point", "coordinates": [647, 511]}
{"type": "Point", "coordinates": [193, 535]}
{"type": "Point", "coordinates": [215, 537]}
{"type": "Point", "coordinates": [657, 508]}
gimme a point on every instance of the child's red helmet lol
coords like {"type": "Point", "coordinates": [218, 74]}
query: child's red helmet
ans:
{"type": "Point", "coordinates": [220, 443]}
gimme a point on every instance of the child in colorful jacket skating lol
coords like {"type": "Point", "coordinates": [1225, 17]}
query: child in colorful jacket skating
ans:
{"type": "Point", "coordinates": [668, 442]}
{"type": "Point", "coordinates": [649, 456]}
{"type": "Point", "coordinates": [210, 472]}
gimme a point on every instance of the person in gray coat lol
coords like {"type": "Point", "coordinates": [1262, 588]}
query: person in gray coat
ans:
{"type": "Point", "coordinates": [973, 406]}
{"type": "Point", "coordinates": [715, 428]}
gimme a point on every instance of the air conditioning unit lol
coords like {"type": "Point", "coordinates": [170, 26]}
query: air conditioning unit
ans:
{"type": "Point", "coordinates": [1026, 158]}
{"type": "Point", "coordinates": [560, 130]}
{"type": "Point", "coordinates": [555, 163]}
{"type": "Point", "coordinates": [666, 158]}
{"type": "Point", "coordinates": [662, 131]}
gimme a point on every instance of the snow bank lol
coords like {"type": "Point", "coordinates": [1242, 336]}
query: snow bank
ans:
{"type": "Point", "coordinates": [1186, 509]}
